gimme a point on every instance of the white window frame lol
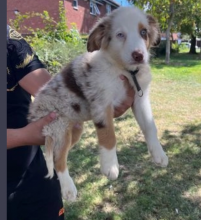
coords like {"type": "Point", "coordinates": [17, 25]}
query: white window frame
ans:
{"type": "Point", "coordinates": [94, 8]}
{"type": "Point", "coordinates": [76, 4]}
{"type": "Point", "coordinates": [108, 9]}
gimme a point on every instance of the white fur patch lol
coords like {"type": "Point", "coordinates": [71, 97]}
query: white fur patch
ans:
{"type": "Point", "coordinates": [68, 188]}
{"type": "Point", "coordinates": [109, 163]}
{"type": "Point", "coordinates": [144, 117]}
{"type": "Point", "coordinates": [50, 167]}
{"type": "Point", "coordinates": [49, 161]}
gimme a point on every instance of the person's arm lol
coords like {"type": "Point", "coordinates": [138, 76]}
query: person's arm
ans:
{"type": "Point", "coordinates": [128, 102]}
{"type": "Point", "coordinates": [30, 73]}
{"type": "Point", "coordinates": [33, 81]}
{"type": "Point", "coordinates": [30, 134]}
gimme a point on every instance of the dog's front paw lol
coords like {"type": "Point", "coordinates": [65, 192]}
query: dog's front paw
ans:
{"type": "Point", "coordinates": [68, 188]}
{"type": "Point", "coordinates": [159, 158]}
{"type": "Point", "coordinates": [109, 163]}
{"type": "Point", "coordinates": [110, 170]}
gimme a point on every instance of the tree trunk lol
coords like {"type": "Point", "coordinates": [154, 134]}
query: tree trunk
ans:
{"type": "Point", "coordinates": [167, 56]}
{"type": "Point", "coordinates": [193, 43]}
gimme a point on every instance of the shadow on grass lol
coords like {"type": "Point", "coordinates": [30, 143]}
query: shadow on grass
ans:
{"type": "Point", "coordinates": [124, 117]}
{"type": "Point", "coordinates": [142, 191]}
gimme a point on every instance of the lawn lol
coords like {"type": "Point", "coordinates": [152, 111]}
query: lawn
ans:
{"type": "Point", "coordinates": [144, 191]}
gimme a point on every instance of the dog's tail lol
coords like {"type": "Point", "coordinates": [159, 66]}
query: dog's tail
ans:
{"type": "Point", "coordinates": [49, 157]}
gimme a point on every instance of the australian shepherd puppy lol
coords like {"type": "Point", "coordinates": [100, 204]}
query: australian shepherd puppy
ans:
{"type": "Point", "coordinates": [89, 88]}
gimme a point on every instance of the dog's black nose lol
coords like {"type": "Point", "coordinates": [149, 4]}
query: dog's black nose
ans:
{"type": "Point", "coordinates": [137, 56]}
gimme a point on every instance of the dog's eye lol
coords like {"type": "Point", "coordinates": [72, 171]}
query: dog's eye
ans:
{"type": "Point", "coordinates": [120, 35]}
{"type": "Point", "coordinates": [143, 32]}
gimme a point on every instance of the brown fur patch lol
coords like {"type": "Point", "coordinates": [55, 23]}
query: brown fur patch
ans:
{"type": "Point", "coordinates": [100, 35]}
{"type": "Point", "coordinates": [154, 33]}
{"type": "Point", "coordinates": [106, 135]}
{"type": "Point", "coordinates": [88, 84]}
{"type": "Point", "coordinates": [76, 133]}
{"type": "Point", "coordinates": [152, 21]}
{"type": "Point", "coordinates": [93, 99]}
{"type": "Point", "coordinates": [48, 146]}
{"type": "Point", "coordinates": [62, 154]}
{"type": "Point", "coordinates": [76, 107]}
{"type": "Point", "coordinates": [146, 37]}
{"type": "Point", "coordinates": [56, 89]}
{"type": "Point", "coordinates": [148, 44]}
{"type": "Point", "coordinates": [89, 67]}
{"type": "Point", "coordinates": [44, 92]}
{"type": "Point", "coordinates": [70, 81]}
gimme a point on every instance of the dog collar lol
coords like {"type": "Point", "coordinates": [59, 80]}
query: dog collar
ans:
{"type": "Point", "coordinates": [133, 74]}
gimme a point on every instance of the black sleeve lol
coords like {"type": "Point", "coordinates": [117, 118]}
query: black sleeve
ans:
{"type": "Point", "coordinates": [22, 58]}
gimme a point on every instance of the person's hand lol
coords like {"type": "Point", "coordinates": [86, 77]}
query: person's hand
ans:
{"type": "Point", "coordinates": [30, 134]}
{"type": "Point", "coordinates": [33, 131]}
{"type": "Point", "coordinates": [127, 103]}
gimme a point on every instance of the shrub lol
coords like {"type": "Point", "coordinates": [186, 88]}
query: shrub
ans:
{"type": "Point", "coordinates": [52, 30]}
{"type": "Point", "coordinates": [175, 48]}
{"type": "Point", "coordinates": [56, 54]}
{"type": "Point", "coordinates": [55, 44]}
{"type": "Point", "coordinates": [161, 49]}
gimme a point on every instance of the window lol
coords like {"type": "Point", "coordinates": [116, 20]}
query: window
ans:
{"type": "Point", "coordinates": [94, 9]}
{"type": "Point", "coordinates": [75, 4]}
{"type": "Point", "coordinates": [16, 12]}
{"type": "Point", "coordinates": [108, 8]}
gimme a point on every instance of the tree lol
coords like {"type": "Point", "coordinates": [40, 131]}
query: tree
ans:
{"type": "Point", "coordinates": [189, 22]}
{"type": "Point", "coordinates": [169, 13]}
{"type": "Point", "coordinates": [170, 20]}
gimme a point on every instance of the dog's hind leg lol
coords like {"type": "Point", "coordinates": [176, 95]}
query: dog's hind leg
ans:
{"type": "Point", "coordinates": [49, 156]}
{"type": "Point", "coordinates": [68, 188]}
{"type": "Point", "coordinates": [107, 143]}
{"type": "Point", "coordinates": [76, 133]}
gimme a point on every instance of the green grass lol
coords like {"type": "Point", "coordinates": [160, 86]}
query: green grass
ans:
{"type": "Point", "coordinates": [144, 191]}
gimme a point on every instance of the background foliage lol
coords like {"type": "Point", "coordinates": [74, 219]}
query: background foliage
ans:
{"type": "Point", "coordinates": [182, 16]}
{"type": "Point", "coordinates": [55, 43]}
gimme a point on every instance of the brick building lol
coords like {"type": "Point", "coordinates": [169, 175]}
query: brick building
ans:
{"type": "Point", "coordinates": [82, 12]}
{"type": "Point", "coordinates": [23, 6]}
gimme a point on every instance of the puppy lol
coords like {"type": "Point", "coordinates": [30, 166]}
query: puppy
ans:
{"type": "Point", "coordinates": [89, 88]}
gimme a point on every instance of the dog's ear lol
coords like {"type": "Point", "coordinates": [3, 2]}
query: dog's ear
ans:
{"type": "Point", "coordinates": [100, 35]}
{"type": "Point", "coordinates": [154, 35]}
